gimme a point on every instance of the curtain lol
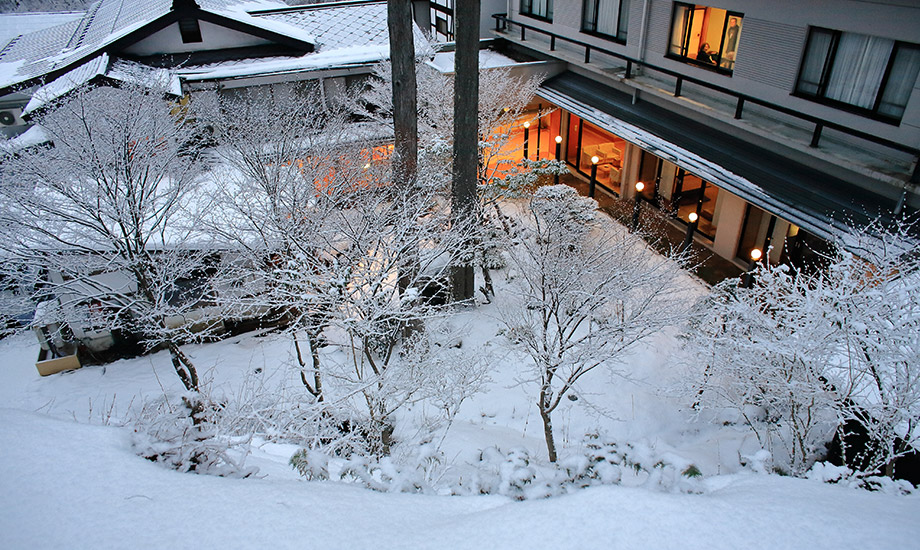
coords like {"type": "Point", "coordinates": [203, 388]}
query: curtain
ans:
{"type": "Point", "coordinates": [900, 82]}
{"type": "Point", "coordinates": [819, 43]}
{"type": "Point", "coordinates": [607, 17]}
{"type": "Point", "coordinates": [858, 69]}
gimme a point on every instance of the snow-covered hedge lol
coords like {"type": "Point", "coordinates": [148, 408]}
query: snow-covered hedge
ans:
{"type": "Point", "coordinates": [514, 473]}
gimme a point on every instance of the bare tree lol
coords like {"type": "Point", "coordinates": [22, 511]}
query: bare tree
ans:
{"type": "Point", "coordinates": [585, 296]}
{"type": "Point", "coordinates": [107, 212]}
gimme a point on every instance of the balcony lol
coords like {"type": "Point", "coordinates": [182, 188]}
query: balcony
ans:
{"type": "Point", "coordinates": [865, 159]}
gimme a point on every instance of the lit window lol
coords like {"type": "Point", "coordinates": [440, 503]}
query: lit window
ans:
{"type": "Point", "coordinates": [542, 9]}
{"type": "Point", "coordinates": [705, 36]}
{"type": "Point", "coordinates": [863, 73]}
{"type": "Point", "coordinates": [608, 18]}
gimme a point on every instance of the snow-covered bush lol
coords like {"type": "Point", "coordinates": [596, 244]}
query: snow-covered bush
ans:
{"type": "Point", "coordinates": [181, 436]}
{"type": "Point", "coordinates": [841, 475]}
{"type": "Point", "coordinates": [514, 473]}
{"type": "Point", "coordinates": [603, 461]}
{"type": "Point", "coordinates": [384, 474]}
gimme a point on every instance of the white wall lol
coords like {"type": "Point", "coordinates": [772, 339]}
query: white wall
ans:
{"type": "Point", "coordinates": [213, 37]}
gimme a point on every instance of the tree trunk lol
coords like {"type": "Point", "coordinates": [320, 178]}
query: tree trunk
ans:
{"type": "Point", "coordinates": [184, 367]}
{"type": "Point", "coordinates": [466, 135]}
{"type": "Point", "coordinates": [548, 435]}
{"type": "Point", "coordinates": [405, 122]}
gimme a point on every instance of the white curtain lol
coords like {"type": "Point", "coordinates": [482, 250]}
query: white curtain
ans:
{"type": "Point", "coordinates": [815, 58]}
{"type": "Point", "coordinates": [858, 69]}
{"type": "Point", "coordinates": [607, 17]}
{"type": "Point", "coordinates": [901, 82]}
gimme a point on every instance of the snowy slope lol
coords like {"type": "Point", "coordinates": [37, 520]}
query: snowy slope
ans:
{"type": "Point", "coordinates": [69, 478]}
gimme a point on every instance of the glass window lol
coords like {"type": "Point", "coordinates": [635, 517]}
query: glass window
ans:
{"type": "Point", "coordinates": [705, 36]}
{"type": "Point", "coordinates": [608, 18]}
{"type": "Point", "coordinates": [538, 8]}
{"type": "Point", "coordinates": [864, 73]}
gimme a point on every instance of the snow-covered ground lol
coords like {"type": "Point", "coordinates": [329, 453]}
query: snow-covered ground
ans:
{"type": "Point", "coordinates": [70, 479]}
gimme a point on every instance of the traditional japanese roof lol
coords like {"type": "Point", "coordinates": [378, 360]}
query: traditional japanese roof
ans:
{"type": "Point", "coordinates": [110, 26]}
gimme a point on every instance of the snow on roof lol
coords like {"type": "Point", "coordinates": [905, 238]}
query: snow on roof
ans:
{"type": "Point", "coordinates": [279, 65]}
{"type": "Point", "coordinates": [35, 135]}
{"type": "Point", "coordinates": [67, 83]}
{"type": "Point", "coordinates": [488, 59]}
{"type": "Point", "coordinates": [120, 70]}
{"type": "Point", "coordinates": [13, 25]}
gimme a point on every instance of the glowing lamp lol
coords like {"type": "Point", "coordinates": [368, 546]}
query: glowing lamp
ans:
{"type": "Point", "coordinates": [594, 159]}
{"type": "Point", "coordinates": [640, 186]}
{"type": "Point", "coordinates": [558, 139]}
{"type": "Point", "coordinates": [693, 217]}
{"type": "Point", "coordinates": [756, 254]}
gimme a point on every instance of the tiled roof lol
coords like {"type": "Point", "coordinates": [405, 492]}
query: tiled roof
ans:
{"type": "Point", "coordinates": [16, 24]}
{"type": "Point", "coordinates": [341, 25]}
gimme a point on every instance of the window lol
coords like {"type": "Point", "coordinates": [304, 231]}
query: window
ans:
{"type": "Point", "coordinates": [542, 9]}
{"type": "Point", "coordinates": [442, 19]}
{"type": "Point", "coordinates": [866, 74]}
{"type": "Point", "coordinates": [190, 31]}
{"type": "Point", "coordinates": [705, 36]}
{"type": "Point", "coordinates": [608, 18]}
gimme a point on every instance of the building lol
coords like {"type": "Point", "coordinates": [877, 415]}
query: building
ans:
{"type": "Point", "coordinates": [187, 45]}
{"type": "Point", "coordinates": [777, 123]}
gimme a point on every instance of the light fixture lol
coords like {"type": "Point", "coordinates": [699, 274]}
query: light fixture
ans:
{"type": "Point", "coordinates": [527, 124]}
{"type": "Point", "coordinates": [558, 139]}
{"type": "Point", "coordinates": [594, 159]}
{"type": "Point", "coordinates": [756, 254]}
{"type": "Point", "coordinates": [639, 186]}
{"type": "Point", "coordinates": [693, 217]}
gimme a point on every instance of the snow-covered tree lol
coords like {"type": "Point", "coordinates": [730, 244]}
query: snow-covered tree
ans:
{"type": "Point", "coordinates": [106, 212]}
{"type": "Point", "coordinates": [800, 352]}
{"type": "Point", "coordinates": [586, 295]}
{"type": "Point", "coordinates": [767, 353]}
{"type": "Point", "coordinates": [310, 200]}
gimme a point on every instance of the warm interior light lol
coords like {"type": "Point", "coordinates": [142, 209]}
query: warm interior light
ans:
{"type": "Point", "coordinates": [756, 254]}
{"type": "Point", "coordinates": [506, 109]}
{"type": "Point", "coordinates": [366, 166]}
{"type": "Point", "coordinates": [640, 186]}
{"type": "Point", "coordinates": [693, 217]}
{"type": "Point", "coordinates": [594, 159]}
{"type": "Point", "coordinates": [527, 124]}
{"type": "Point", "coordinates": [558, 139]}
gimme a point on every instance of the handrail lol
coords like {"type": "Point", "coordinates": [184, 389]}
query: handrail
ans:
{"type": "Point", "coordinates": [820, 123]}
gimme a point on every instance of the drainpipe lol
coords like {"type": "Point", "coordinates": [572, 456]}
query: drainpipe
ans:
{"type": "Point", "coordinates": [642, 40]}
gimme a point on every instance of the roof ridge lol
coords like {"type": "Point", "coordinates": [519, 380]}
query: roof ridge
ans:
{"type": "Point", "coordinates": [6, 48]}
{"type": "Point", "coordinates": [88, 19]}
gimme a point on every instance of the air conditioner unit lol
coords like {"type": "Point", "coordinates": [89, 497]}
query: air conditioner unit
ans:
{"type": "Point", "coordinates": [11, 117]}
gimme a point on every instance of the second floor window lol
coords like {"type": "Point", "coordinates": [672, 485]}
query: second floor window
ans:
{"type": "Point", "coordinates": [608, 18]}
{"type": "Point", "coordinates": [866, 74]}
{"type": "Point", "coordinates": [542, 9]}
{"type": "Point", "coordinates": [705, 36]}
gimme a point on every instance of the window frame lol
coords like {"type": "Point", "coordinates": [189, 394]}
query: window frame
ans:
{"type": "Point", "coordinates": [594, 32]}
{"type": "Point", "coordinates": [685, 58]}
{"type": "Point", "coordinates": [820, 96]}
{"type": "Point", "coordinates": [530, 13]}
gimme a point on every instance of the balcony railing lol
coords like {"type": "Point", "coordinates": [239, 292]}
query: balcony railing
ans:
{"type": "Point", "coordinates": [503, 23]}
